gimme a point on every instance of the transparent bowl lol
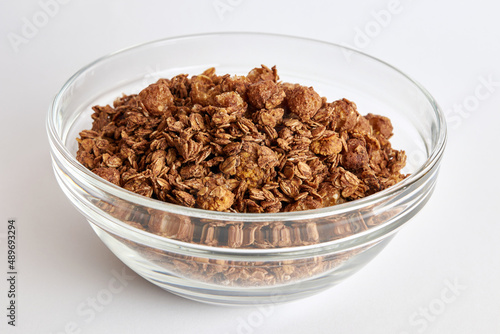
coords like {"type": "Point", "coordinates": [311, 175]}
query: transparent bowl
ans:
{"type": "Point", "coordinates": [251, 258]}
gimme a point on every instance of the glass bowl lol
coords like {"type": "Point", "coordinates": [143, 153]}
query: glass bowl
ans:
{"type": "Point", "coordinates": [236, 258]}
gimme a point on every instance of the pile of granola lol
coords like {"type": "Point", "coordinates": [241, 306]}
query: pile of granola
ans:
{"type": "Point", "coordinates": [240, 144]}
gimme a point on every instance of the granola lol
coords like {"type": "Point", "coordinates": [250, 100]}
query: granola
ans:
{"type": "Point", "coordinates": [240, 144]}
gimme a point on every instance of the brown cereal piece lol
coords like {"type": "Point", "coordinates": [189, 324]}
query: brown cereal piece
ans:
{"type": "Point", "coordinates": [329, 194]}
{"type": "Point", "coordinates": [85, 153]}
{"type": "Point", "coordinates": [210, 73]}
{"type": "Point", "coordinates": [397, 163]}
{"type": "Point", "coordinates": [111, 160]}
{"type": "Point", "coordinates": [139, 186]}
{"type": "Point", "coordinates": [193, 170]}
{"type": "Point", "coordinates": [109, 174]}
{"type": "Point", "coordinates": [356, 156]}
{"type": "Point", "coordinates": [326, 116]}
{"type": "Point", "coordinates": [249, 169]}
{"type": "Point", "coordinates": [229, 165]}
{"type": "Point", "coordinates": [231, 101]}
{"type": "Point", "coordinates": [347, 114]}
{"type": "Point", "coordinates": [203, 90]}
{"type": "Point", "coordinates": [271, 206]}
{"type": "Point", "coordinates": [263, 73]}
{"type": "Point", "coordinates": [236, 83]}
{"type": "Point", "coordinates": [381, 125]}
{"type": "Point", "coordinates": [267, 158]}
{"type": "Point", "coordinates": [157, 97]}
{"type": "Point", "coordinates": [180, 85]}
{"type": "Point", "coordinates": [290, 187]}
{"type": "Point", "coordinates": [265, 94]}
{"type": "Point", "coordinates": [220, 118]}
{"type": "Point", "coordinates": [346, 182]}
{"type": "Point", "coordinates": [302, 171]}
{"type": "Point", "coordinates": [266, 117]}
{"type": "Point", "coordinates": [184, 198]}
{"type": "Point", "coordinates": [363, 126]}
{"type": "Point", "coordinates": [102, 116]}
{"type": "Point", "coordinates": [214, 197]}
{"type": "Point", "coordinates": [329, 144]}
{"type": "Point", "coordinates": [307, 203]}
{"type": "Point", "coordinates": [304, 102]}
{"type": "Point", "coordinates": [87, 159]}
{"type": "Point", "coordinates": [288, 88]}
{"type": "Point", "coordinates": [232, 148]}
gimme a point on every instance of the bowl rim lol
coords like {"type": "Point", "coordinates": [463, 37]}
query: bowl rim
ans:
{"type": "Point", "coordinates": [121, 193]}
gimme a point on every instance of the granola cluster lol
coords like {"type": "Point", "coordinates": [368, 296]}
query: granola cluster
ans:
{"type": "Point", "coordinates": [240, 144]}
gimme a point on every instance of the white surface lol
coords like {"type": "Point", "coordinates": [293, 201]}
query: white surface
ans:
{"type": "Point", "coordinates": [450, 47]}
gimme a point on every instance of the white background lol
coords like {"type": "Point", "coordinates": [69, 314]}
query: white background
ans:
{"type": "Point", "coordinates": [451, 47]}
